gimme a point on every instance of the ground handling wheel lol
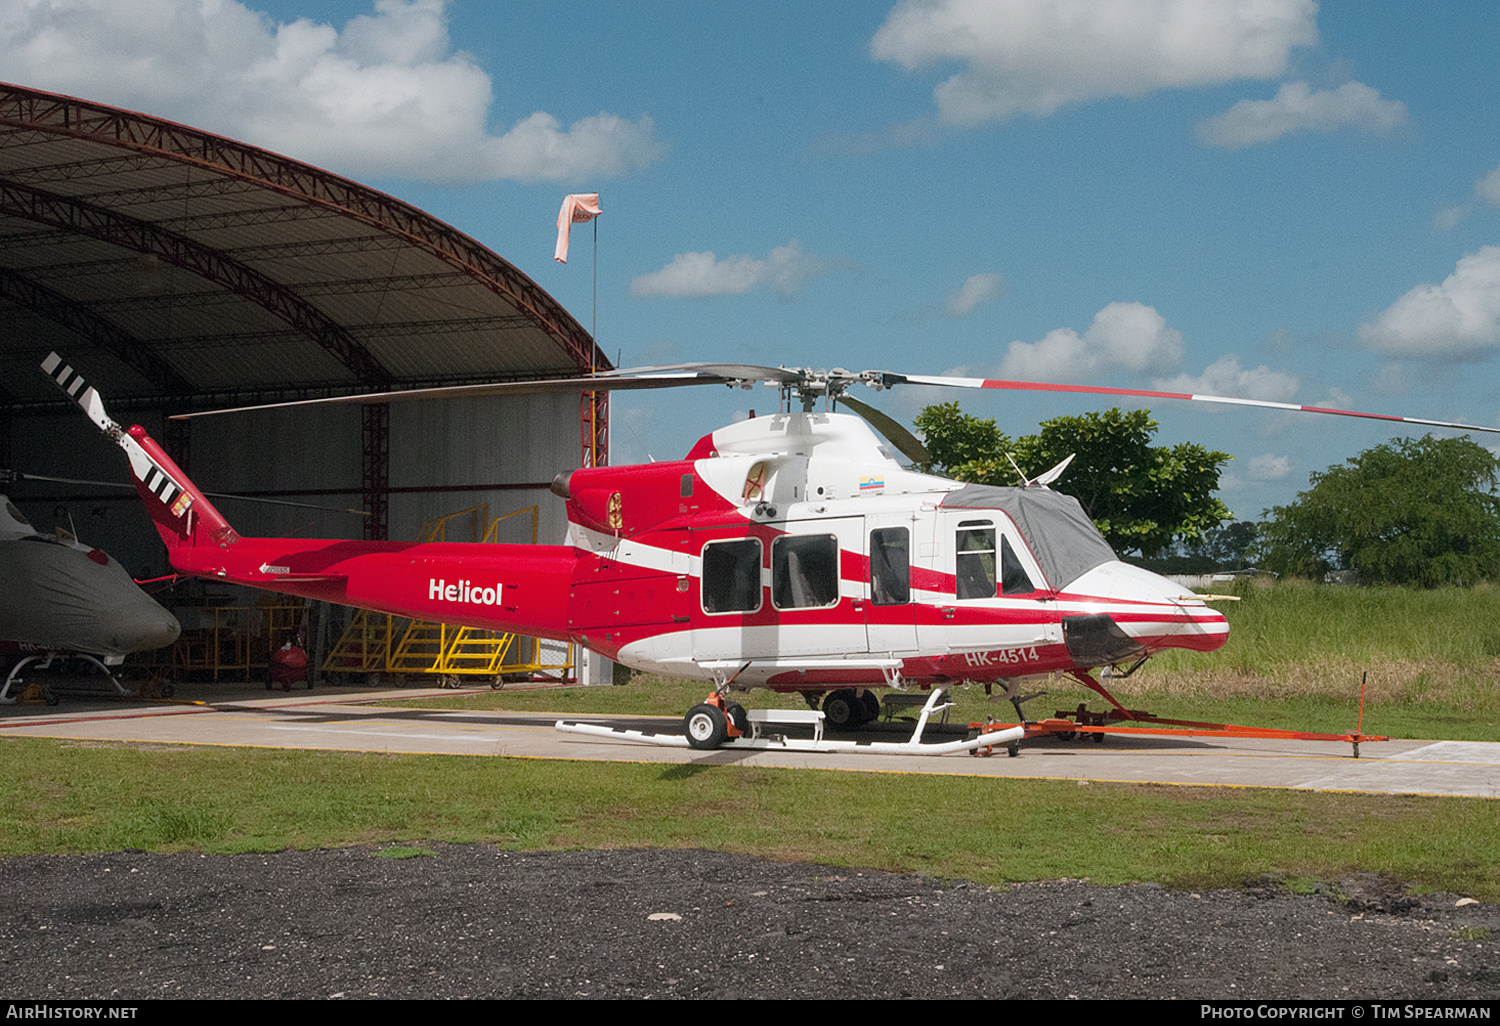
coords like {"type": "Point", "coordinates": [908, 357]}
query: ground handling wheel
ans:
{"type": "Point", "coordinates": [705, 726]}
{"type": "Point", "coordinates": [842, 709]}
{"type": "Point", "coordinates": [737, 716]}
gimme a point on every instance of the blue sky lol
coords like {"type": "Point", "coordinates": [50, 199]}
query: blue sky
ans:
{"type": "Point", "coordinates": [1272, 198]}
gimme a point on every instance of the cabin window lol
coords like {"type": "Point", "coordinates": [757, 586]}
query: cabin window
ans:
{"type": "Point", "coordinates": [1013, 577]}
{"type": "Point", "coordinates": [805, 571]}
{"type": "Point", "coordinates": [890, 566]}
{"type": "Point", "coordinates": [975, 563]}
{"type": "Point", "coordinates": [731, 576]}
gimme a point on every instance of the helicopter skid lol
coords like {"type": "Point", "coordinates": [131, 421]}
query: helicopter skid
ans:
{"type": "Point", "coordinates": [987, 737]}
{"type": "Point", "coordinates": [46, 660]}
{"type": "Point", "coordinates": [995, 739]}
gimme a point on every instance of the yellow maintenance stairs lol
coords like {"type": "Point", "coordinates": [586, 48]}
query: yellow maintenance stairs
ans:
{"type": "Point", "coordinates": [386, 644]}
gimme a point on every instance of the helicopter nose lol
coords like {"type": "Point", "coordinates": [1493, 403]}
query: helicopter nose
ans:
{"type": "Point", "coordinates": [142, 627]}
{"type": "Point", "coordinates": [158, 631]}
{"type": "Point", "coordinates": [1202, 628]}
{"type": "Point", "coordinates": [1157, 612]}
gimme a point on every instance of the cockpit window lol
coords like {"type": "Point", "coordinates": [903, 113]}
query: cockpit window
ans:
{"type": "Point", "coordinates": [1013, 577]}
{"type": "Point", "coordinates": [975, 564]}
{"type": "Point", "coordinates": [1054, 526]}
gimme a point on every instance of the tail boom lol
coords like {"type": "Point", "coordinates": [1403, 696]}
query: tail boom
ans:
{"type": "Point", "coordinates": [517, 588]}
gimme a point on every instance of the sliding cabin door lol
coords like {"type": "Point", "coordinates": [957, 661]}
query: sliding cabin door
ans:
{"type": "Point", "coordinates": [785, 590]}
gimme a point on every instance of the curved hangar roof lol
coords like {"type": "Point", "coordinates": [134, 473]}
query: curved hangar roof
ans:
{"type": "Point", "coordinates": [195, 270]}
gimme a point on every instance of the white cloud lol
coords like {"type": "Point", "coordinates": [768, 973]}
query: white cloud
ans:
{"type": "Point", "coordinates": [1225, 377]}
{"type": "Point", "coordinates": [786, 269]}
{"type": "Point", "coordinates": [1337, 399]}
{"type": "Point", "coordinates": [976, 290]}
{"type": "Point", "coordinates": [539, 149]}
{"type": "Point", "coordinates": [1488, 188]}
{"type": "Point", "coordinates": [1131, 336]}
{"type": "Point", "coordinates": [1393, 379]}
{"type": "Point", "coordinates": [1455, 320]}
{"type": "Point", "coordinates": [1268, 467]}
{"type": "Point", "coordinates": [387, 96]}
{"type": "Point", "coordinates": [1447, 218]}
{"type": "Point", "coordinates": [1298, 108]}
{"type": "Point", "coordinates": [1033, 56]}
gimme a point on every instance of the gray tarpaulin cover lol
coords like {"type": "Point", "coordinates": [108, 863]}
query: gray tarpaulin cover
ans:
{"type": "Point", "coordinates": [56, 597]}
{"type": "Point", "coordinates": [1061, 535]}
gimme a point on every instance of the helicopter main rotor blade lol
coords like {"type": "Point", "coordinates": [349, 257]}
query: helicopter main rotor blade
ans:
{"type": "Point", "coordinates": [212, 495]}
{"type": "Point", "coordinates": [670, 376]}
{"type": "Point", "coordinates": [897, 435]}
{"type": "Point", "coordinates": [731, 372]}
{"type": "Point", "coordinates": [1038, 386]}
{"type": "Point", "coordinates": [833, 383]}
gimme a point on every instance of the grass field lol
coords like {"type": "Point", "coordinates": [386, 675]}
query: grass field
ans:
{"type": "Point", "coordinates": [69, 797]}
{"type": "Point", "coordinates": [1294, 659]}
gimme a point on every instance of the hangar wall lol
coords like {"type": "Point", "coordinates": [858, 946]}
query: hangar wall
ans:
{"type": "Point", "coordinates": [523, 440]}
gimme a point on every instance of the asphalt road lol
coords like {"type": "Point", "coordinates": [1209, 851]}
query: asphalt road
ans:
{"type": "Point", "coordinates": [472, 921]}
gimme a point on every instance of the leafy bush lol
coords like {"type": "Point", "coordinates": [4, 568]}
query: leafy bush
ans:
{"type": "Point", "coordinates": [1410, 512]}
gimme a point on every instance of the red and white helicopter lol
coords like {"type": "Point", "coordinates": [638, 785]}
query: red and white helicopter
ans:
{"type": "Point", "coordinates": [789, 551]}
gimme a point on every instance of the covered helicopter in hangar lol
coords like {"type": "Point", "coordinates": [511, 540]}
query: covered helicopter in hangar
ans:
{"type": "Point", "coordinates": [791, 551]}
{"type": "Point", "coordinates": [64, 598]}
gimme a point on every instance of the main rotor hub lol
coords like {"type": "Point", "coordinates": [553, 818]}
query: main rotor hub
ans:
{"type": "Point", "coordinates": [830, 384]}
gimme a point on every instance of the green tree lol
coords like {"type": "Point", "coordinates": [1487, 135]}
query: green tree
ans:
{"type": "Point", "coordinates": [965, 448]}
{"type": "Point", "coordinates": [1140, 496]}
{"type": "Point", "coordinates": [1418, 512]}
{"type": "Point", "coordinates": [1228, 546]}
{"type": "Point", "coordinates": [1231, 546]}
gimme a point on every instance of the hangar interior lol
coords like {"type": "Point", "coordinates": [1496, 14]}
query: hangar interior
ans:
{"type": "Point", "coordinates": [180, 271]}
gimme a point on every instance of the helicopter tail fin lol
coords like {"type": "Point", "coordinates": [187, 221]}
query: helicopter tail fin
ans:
{"type": "Point", "coordinates": [183, 517]}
